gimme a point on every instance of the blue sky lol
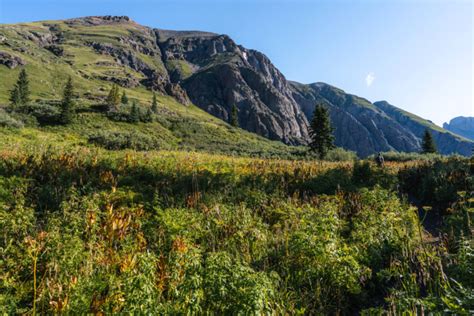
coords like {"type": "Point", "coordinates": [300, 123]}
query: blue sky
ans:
{"type": "Point", "coordinates": [417, 54]}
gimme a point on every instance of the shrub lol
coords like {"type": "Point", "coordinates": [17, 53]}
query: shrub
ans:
{"type": "Point", "coordinates": [124, 140]}
{"type": "Point", "coordinates": [7, 121]}
{"type": "Point", "coordinates": [131, 114]}
{"type": "Point", "coordinates": [339, 154]}
{"type": "Point", "coordinates": [45, 113]}
{"type": "Point", "coordinates": [403, 156]}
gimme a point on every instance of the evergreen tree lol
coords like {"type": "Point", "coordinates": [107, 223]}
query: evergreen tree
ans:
{"type": "Point", "coordinates": [134, 113]}
{"type": "Point", "coordinates": [148, 116]}
{"type": "Point", "coordinates": [67, 104]}
{"type": "Point", "coordinates": [15, 97]}
{"type": "Point", "coordinates": [321, 132]}
{"type": "Point", "coordinates": [124, 98]}
{"type": "Point", "coordinates": [20, 95]}
{"type": "Point", "coordinates": [428, 146]}
{"type": "Point", "coordinates": [234, 116]}
{"type": "Point", "coordinates": [154, 104]}
{"type": "Point", "coordinates": [113, 99]}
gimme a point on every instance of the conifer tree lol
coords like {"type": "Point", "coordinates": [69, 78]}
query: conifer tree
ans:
{"type": "Point", "coordinates": [67, 104]}
{"type": "Point", "coordinates": [428, 145]}
{"type": "Point", "coordinates": [15, 97]}
{"type": "Point", "coordinates": [113, 99]}
{"type": "Point", "coordinates": [134, 113]}
{"type": "Point", "coordinates": [154, 104]}
{"type": "Point", "coordinates": [321, 132]}
{"type": "Point", "coordinates": [148, 116]}
{"type": "Point", "coordinates": [20, 95]}
{"type": "Point", "coordinates": [124, 98]}
{"type": "Point", "coordinates": [234, 116]}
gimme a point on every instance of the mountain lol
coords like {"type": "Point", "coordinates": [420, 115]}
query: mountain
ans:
{"type": "Point", "coordinates": [196, 68]}
{"type": "Point", "coordinates": [461, 125]}
{"type": "Point", "coordinates": [96, 52]}
{"type": "Point", "coordinates": [446, 142]}
{"type": "Point", "coordinates": [359, 125]}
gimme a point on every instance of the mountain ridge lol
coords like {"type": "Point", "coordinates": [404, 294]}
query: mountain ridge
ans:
{"type": "Point", "coordinates": [209, 70]}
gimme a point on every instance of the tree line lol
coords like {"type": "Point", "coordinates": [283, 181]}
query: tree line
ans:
{"type": "Point", "coordinates": [20, 96]}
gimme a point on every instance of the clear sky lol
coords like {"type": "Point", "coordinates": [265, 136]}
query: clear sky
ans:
{"type": "Point", "coordinates": [416, 54]}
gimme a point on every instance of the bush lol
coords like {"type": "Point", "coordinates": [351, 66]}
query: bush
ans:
{"type": "Point", "coordinates": [339, 154]}
{"type": "Point", "coordinates": [45, 113]}
{"type": "Point", "coordinates": [8, 121]}
{"type": "Point", "coordinates": [438, 182]}
{"type": "Point", "coordinates": [125, 113]}
{"type": "Point", "coordinates": [403, 156]}
{"type": "Point", "coordinates": [124, 140]}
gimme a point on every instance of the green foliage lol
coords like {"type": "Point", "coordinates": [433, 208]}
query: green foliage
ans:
{"type": "Point", "coordinates": [172, 233]}
{"type": "Point", "coordinates": [124, 140]}
{"type": "Point", "coordinates": [234, 116]}
{"type": "Point", "coordinates": [321, 132]}
{"type": "Point", "coordinates": [154, 104]}
{"type": "Point", "coordinates": [113, 99]}
{"type": "Point", "coordinates": [148, 116]}
{"type": "Point", "coordinates": [8, 121]}
{"type": "Point", "coordinates": [428, 145]}
{"type": "Point", "coordinates": [437, 183]}
{"type": "Point", "coordinates": [20, 94]}
{"type": "Point", "coordinates": [124, 98]}
{"type": "Point", "coordinates": [44, 113]}
{"type": "Point", "coordinates": [403, 156]}
{"type": "Point", "coordinates": [134, 113]}
{"type": "Point", "coordinates": [67, 104]}
{"type": "Point", "coordinates": [340, 154]}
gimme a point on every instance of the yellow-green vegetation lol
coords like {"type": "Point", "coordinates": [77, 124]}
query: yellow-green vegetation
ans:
{"type": "Point", "coordinates": [181, 66]}
{"type": "Point", "coordinates": [85, 230]}
{"type": "Point", "coordinates": [173, 211]}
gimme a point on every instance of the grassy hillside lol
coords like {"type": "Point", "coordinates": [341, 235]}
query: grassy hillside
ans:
{"type": "Point", "coordinates": [176, 126]}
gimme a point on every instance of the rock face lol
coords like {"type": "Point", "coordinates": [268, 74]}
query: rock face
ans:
{"type": "Point", "coordinates": [10, 60]}
{"type": "Point", "coordinates": [214, 73]}
{"type": "Point", "coordinates": [366, 127]}
{"type": "Point", "coordinates": [217, 74]}
{"type": "Point", "coordinates": [461, 125]}
{"type": "Point", "coordinates": [359, 125]}
{"type": "Point", "coordinates": [446, 142]}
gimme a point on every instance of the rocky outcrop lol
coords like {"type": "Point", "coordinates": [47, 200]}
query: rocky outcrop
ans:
{"type": "Point", "coordinates": [56, 50]}
{"type": "Point", "coordinates": [10, 60]}
{"type": "Point", "coordinates": [461, 125]}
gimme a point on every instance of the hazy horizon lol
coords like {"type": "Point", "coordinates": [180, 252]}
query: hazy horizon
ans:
{"type": "Point", "coordinates": [416, 55]}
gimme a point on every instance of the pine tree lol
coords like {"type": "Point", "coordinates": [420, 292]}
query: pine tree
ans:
{"type": "Point", "coordinates": [428, 146]}
{"type": "Point", "coordinates": [113, 99]}
{"type": "Point", "coordinates": [124, 98]}
{"type": "Point", "coordinates": [321, 132]}
{"type": "Point", "coordinates": [154, 104]}
{"type": "Point", "coordinates": [20, 95]}
{"type": "Point", "coordinates": [15, 97]}
{"type": "Point", "coordinates": [148, 118]}
{"type": "Point", "coordinates": [67, 104]}
{"type": "Point", "coordinates": [134, 113]}
{"type": "Point", "coordinates": [234, 116]}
